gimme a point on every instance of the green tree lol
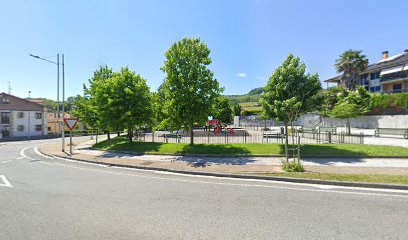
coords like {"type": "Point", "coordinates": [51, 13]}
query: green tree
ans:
{"type": "Point", "coordinates": [124, 101]}
{"type": "Point", "coordinates": [88, 106]}
{"type": "Point", "coordinates": [223, 110]}
{"type": "Point", "coordinates": [350, 104]}
{"type": "Point", "coordinates": [237, 109]}
{"type": "Point", "coordinates": [190, 88]}
{"type": "Point", "coordinates": [289, 93]}
{"type": "Point", "coordinates": [159, 110]}
{"type": "Point", "coordinates": [350, 64]}
{"type": "Point", "coordinates": [331, 97]}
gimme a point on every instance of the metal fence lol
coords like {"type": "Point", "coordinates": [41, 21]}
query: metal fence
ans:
{"type": "Point", "coordinates": [245, 137]}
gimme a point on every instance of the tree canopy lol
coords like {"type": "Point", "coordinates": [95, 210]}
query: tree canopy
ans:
{"type": "Point", "coordinates": [190, 89]}
{"type": "Point", "coordinates": [289, 93]}
{"type": "Point", "coordinates": [350, 64]}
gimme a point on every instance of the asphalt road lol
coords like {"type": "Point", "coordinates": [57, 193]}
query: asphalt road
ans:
{"type": "Point", "coordinates": [51, 198]}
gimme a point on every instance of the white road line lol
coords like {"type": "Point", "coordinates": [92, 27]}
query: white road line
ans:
{"type": "Point", "coordinates": [6, 161]}
{"type": "Point", "coordinates": [6, 183]}
{"type": "Point", "coordinates": [39, 153]}
{"type": "Point", "coordinates": [20, 158]}
{"type": "Point", "coordinates": [23, 155]}
{"type": "Point", "coordinates": [241, 185]}
{"type": "Point", "coordinates": [50, 164]}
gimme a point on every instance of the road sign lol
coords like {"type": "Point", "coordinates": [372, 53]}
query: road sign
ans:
{"type": "Point", "coordinates": [71, 122]}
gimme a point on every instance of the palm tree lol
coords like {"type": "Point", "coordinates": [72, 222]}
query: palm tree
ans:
{"type": "Point", "coordinates": [350, 63]}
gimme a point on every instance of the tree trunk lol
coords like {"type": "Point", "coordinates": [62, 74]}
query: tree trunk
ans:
{"type": "Point", "coordinates": [348, 127]}
{"type": "Point", "coordinates": [108, 134]}
{"type": "Point", "coordinates": [292, 133]}
{"type": "Point", "coordinates": [191, 135]}
{"type": "Point", "coordinates": [286, 142]}
{"type": "Point", "coordinates": [130, 135]}
{"type": "Point", "coordinates": [118, 134]}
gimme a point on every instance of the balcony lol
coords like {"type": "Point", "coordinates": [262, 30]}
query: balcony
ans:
{"type": "Point", "coordinates": [394, 76]}
{"type": "Point", "coordinates": [396, 90]}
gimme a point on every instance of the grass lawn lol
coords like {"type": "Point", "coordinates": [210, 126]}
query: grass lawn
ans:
{"type": "Point", "coordinates": [377, 178]}
{"type": "Point", "coordinates": [312, 150]}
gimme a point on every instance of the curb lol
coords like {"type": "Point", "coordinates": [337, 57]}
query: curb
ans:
{"type": "Point", "coordinates": [245, 156]}
{"type": "Point", "coordinates": [270, 178]}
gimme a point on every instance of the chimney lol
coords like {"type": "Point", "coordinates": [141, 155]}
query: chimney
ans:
{"type": "Point", "coordinates": [384, 54]}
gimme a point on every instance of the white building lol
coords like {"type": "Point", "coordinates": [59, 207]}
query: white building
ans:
{"type": "Point", "coordinates": [21, 118]}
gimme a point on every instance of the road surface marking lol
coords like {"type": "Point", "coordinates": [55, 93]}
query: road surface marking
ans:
{"type": "Point", "coordinates": [20, 158]}
{"type": "Point", "coordinates": [320, 186]}
{"type": "Point", "coordinates": [39, 153]}
{"type": "Point", "coordinates": [23, 155]}
{"type": "Point", "coordinates": [243, 185]}
{"type": "Point", "coordinates": [6, 161]}
{"type": "Point", "coordinates": [51, 164]}
{"type": "Point", "coordinates": [6, 183]}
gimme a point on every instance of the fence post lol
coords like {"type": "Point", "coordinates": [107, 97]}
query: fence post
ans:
{"type": "Point", "coordinates": [330, 140]}
{"type": "Point", "coordinates": [208, 137]}
{"type": "Point", "coordinates": [152, 136]}
{"type": "Point", "coordinates": [245, 137]}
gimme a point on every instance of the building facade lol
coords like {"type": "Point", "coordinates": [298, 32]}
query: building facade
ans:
{"type": "Point", "coordinates": [389, 75]}
{"type": "Point", "coordinates": [21, 118]}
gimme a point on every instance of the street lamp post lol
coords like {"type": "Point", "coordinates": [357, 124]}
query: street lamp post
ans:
{"type": "Point", "coordinates": [62, 124]}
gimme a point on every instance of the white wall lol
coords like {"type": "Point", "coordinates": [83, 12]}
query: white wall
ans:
{"type": "Point", "coordinates": [29, 122]}
{"type": "Point", "coordinates": [377, 121]}
{"type": "Point", "coordinates": [312, 119]}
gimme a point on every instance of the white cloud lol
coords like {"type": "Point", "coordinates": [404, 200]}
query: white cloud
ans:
{"type": "Point", "coordinates": [242, 75]}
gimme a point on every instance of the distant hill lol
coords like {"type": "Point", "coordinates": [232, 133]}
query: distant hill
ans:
{"type": "Point", "coordinates": [252, 96]}
{"type": "Point", "coordinates": [249, 102]}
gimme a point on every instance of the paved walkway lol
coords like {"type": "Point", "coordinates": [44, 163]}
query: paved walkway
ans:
{"type": "Point", "coordinates": [82, 151]}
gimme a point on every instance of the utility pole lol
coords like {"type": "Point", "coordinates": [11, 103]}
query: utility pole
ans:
{"type": "Point", "coordinates": [63, 104]}
{"type": "Point", "coordinates": [29, 117]}
{"type": "Point", "coordinates": [58, 102]}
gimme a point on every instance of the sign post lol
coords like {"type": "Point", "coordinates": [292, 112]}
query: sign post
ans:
{"type": "Point", "coordinates": [71, 123]}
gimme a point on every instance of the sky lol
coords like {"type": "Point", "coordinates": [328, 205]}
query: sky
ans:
{"type": "Point", "coordinates": [248, 38]}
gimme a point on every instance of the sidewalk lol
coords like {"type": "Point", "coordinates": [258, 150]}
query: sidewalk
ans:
{"type": "Point", "coordinates": [248, 165]}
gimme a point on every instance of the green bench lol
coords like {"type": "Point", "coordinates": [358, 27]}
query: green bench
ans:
{"type": "Point", "coordinates": [332, 130]}
{"type": "Point", "coordinates": [307, 130]}
{"type": "Point", "coordinates": [172, 135]}
{"type": "Point", "coordinates": [272, 134]}
{"type": "Point", "coordinates": [392, 131]}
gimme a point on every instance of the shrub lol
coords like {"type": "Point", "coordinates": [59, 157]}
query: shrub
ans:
{"type": "Point", "coordinates": [294, 166]}
{"type": "Point", "coordinates": [396, 103]}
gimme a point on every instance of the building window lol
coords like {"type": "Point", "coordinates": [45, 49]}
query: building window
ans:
{"type": "Point", "coordinates": [49, 129]}
{"type": "Point", "coordinates": [397, 88]}
{"type": "Point", "coordinates": [38, 115]}
{"type": "Point", "coordinates": [364, 80]}
{"type": "Point", "coordinates": [5, 118]}
{"type": "Point", "coordinates": [375, 75]}
{"type": "Point", "coordinates": [20, 128]}
{"type": "Point", "coordinates": [38, 127]}
{"type": "Point", "coordinates": [5, 100]}
{"type": "Point", "coordinates": [20, 114]}
{"type": "Point", "coordinates": [372, 89]}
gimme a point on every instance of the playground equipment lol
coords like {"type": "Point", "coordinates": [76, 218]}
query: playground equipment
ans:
{"type": "Point", "coordinates": [219, 127]}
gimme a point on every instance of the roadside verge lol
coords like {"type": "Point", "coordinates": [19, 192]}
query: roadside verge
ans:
{"type": "Point", "coordinates": [228, 171]}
